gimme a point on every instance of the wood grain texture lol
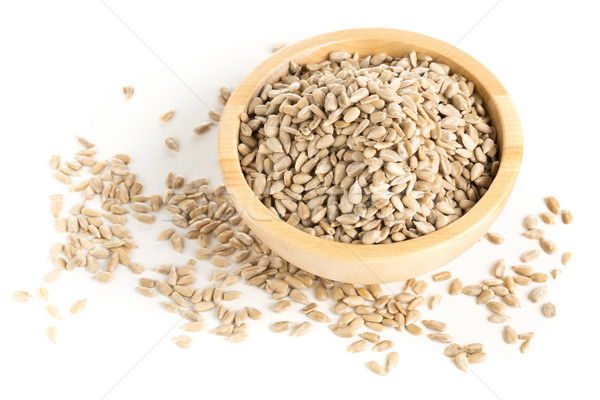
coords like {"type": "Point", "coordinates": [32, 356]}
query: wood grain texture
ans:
{"type": "Point", "coordinates": [379, 263]}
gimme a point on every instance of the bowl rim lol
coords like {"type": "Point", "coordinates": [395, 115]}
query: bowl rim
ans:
{"type": "Point", "coordinates": [250, 206]}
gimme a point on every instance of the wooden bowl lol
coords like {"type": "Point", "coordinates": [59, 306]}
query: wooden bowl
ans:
{"type": "Point", "coordinates": [379, 263]}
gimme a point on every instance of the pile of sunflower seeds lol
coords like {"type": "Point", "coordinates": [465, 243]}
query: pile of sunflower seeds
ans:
{"type": "Point", "coordinates": [205, 219]}
{"type": "Point", "coordinates": [205, 216]}
{"type": "Point", "coordinates": [368, 150]}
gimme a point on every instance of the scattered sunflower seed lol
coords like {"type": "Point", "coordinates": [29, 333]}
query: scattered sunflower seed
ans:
{"type": "Point", "coordinates": [183, 341]}
{"type": "Point", "coordinates": [202, 127]}
{"type": "Point", "coordinates": [548, 218]}
{"type": "Point", "coordinates": [435, 301]}
{"type": "Point", "coordinates": [53, 311]}
{"type": "Point", "coordinates": [128, 91]}
{"type": "Point", "coordinates": [566, 216]}
{"type": "Point", "coordinates": [214, 115]}
{"type": "Point", "coordinates": [548, 246]}
{"type": "Point", "coordinates": [477, 357]}
{"type": "Point", "coordinates": [495, 238]}
{"type": "Point", "coordinates": [525, 346]}
{"type": "Point", "coordinates": [461, 360]}
{"type": "Point", "coordinates": [194, 326]}
{"type": "Point", "coordinates": [441, 337]}
{"type": "Point", "coordinates": [553, 205]}
{"type": "Point", "coordinates": [376, 368]}
{"type": "Point", "coordinates": [52, 334]}
{"type": "Point", "coordinates": [499, 319]}
{"type": "Point", "coordinates": [530, 222]}
{"type": "Point", "coordinates": [167, 116]}
{"type": "Point", "coordinates": [499, 268]}
{"type": "Point", "coordinates": [79, 306]}
{"type": "Point", "coordinates": [451, 350]}
{"type": "Point", "coordinates": [43, 293]}
{"type": "Point", "coordinates": [549, 310]}
{"type": "Point", "coordinates": [172, 144]}
{"type": "Point", "coordinates": [530, 256]}
{"type": "Point", "coordinates": [21, 296]}
{"type": "Point", "coordinates": [434, 325]}
{"type": "Point", "coordinates": [441, 276]}
{"type": "Point", "coordinates": [358, 346]}
{"type": "Point", "coordinates": [510, 335]}
{"type": "Point", "coordinates": [538, 294]}
{"type": "Point", "coordinates": [383, 345]}
{"type": "Point", "coordinates": [455, 287]}
{"type": "Point", "coordinates": [301, 329]}
{"type": "Point", "coordinates": [391, 361]}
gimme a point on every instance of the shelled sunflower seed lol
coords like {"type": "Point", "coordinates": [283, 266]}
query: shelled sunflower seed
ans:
{"type": "Point", "coordinates": [495, 238]}
{"type": "Point", "coordinates": [52, 334]}
{"type": "Point", "coordinates": [21, 296]}
{"type": "Point", "coordinates": [79, 306]}
{"type": "Point", "coordinates": [167, 116]}
{"type": "Point", "coordinates": [128, 91]}
{"type": "Point", "coordinates": [368, 150]}
{"type": "Point", "coordinates": [376, 368]}
{"type": "Point", "coordinates": [172, 144]}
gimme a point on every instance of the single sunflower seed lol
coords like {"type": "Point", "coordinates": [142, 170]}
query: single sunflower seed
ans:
{"type": "Point", "coordinates": [530, 256]}
{"type": "Point", "coordinates": [376, 368]}
{"type": "Point", "coordinates": [53, 311]}
{"type": "Point", "coordinates": [182, 341]}
{"type": "Point", "coordinates": [301, 329]}
{"type": "Point", "coordinates": [441, 337]}
{"type": "Point", "coordinates": [548, 246]}
{"type": "Point", "coordinates": [441, 276]}
{"type": "Point", "coordinates": [510, 335]}
{"type": "Point", "coordinates": [128, 91]}
{"type": "Point", "coordinates": [167, 116]}
{"type": "Point", "coordinates": [172, 144]}
{"type": "Point", "coordinates": [434, 325]}
{"type": "Point", "coordinates": [78, 306]}
{"type": "Point", "coordinates": [383, 345]}
{"type": "Point", "coordinates": [461, 360]}
{"type": "Point", "coordinates": [194, 326]}
{"type": "Point", "coordinates": [553, 205]}
{"type": "Point", "coordinates": [21, 296]}
{"type": "Point", "coordinates": [566, 216]}
{"type": "Point", "coordinates": [549, 310]}
{"type": "Point", "coordinates": [538, 294]}
{"type": "Point", "coordinates": [495, 238]}
{"type": "Point", "coordinates": [525, 346]}
{"type": "Point", "coordinates": [202, 127]}
{"type": "Point", "coordinates": [391, 361]}
{"type": "Point", "coordinates": [52, 334]}
{"type": "Point", "coordinates": [455, 287]}
{"type": "Point", "coordinates": [358, 346]}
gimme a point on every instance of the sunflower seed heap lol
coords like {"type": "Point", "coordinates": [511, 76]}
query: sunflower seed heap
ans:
{"type": "Point", "coordinates": [499, 293]}
{"type": "Point", "coordinates": [99, 234]}
{"type": "Point", "coordinates": [371, 150]}
{"type": "Point", "coordinates": [206, 220]}
{"type": "Point", "coordinates": [206, 216]}
{"type": "Point", "coordinates": [203, 215]}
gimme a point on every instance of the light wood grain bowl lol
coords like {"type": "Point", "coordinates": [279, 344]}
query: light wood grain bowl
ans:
{"type": "Point", "coordinates": [377, 263]}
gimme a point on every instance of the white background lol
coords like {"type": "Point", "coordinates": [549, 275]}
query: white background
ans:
{"type": "Point", "coordinates": [63, 66]}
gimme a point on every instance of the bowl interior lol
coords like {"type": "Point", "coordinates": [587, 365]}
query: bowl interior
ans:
{"type": "Point", "coordinates": [301, 248]}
